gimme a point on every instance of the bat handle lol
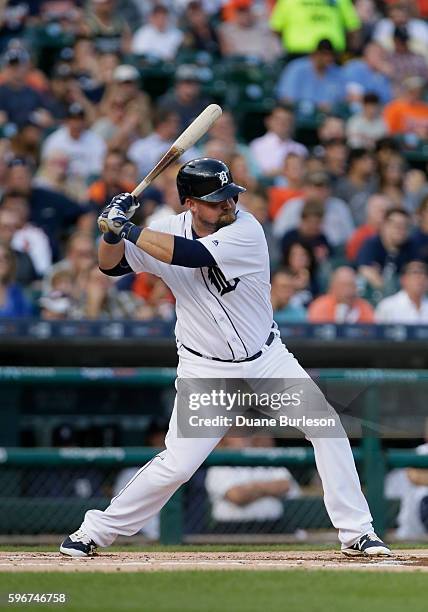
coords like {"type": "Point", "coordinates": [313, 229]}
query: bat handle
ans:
{"type": "Point", "coordinates": [140, 188]}
{"type": "Point", "coordinates": [102, 225]}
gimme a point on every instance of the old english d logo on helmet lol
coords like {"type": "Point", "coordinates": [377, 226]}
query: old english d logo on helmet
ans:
{"type": "Point", "coordinates": [206, 179]}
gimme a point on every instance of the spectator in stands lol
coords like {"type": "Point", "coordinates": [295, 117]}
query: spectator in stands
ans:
{"type": "Point", "coordinates": [17, 99]}
{"type": "Point", "coordinates": [99, 298]}
{"type": "Point", "coordinates": [256, 204]}
{"type": "Point", "coordinates": [146, 152]}
{"type": "Point", "coordinates": [125, 110]}
{"type": "Point", "coordinates": [399, 15]}
{"type": "Point", "coordinates": [85, 68]}
{"type": "Point", "coordinates": [410, 305]}
{"type": "Point", "coordinates": [25, 273]}
{"type": "Point", "coordinates": [358, 183]}
{"type": "Point", "coordinates": [420, 233]}
{"type": "Point", "coordinates": [370, 220]}
{"type": "Point", "coordinates": [408, 114]}
{"type": "Point", "coordinates": [83, 147]}
{"type": "Point", "coordinates": [55, 306]}
{"type": "Point", "coordinates": [242, 175]}
{"type": "Point", "coordinates": [372, 73]}
{"type": "Point", "coordinates": [171, 205]}
{"type": "Point", "coordinates": [248, 494]}
{"type": "Point", "coordinates": [309, 231]}
{"type": "Point", "coordinates": [110, 182]}
{"type": "Point", "coordinates": [366, 127]}
{"type": "Point", "coordinates": [12, 300]}
{"type": "Point", "coordinates": [78, 262]}
{"type": "Point", "coordinates": [313, 82]}
{"type": "Point", "coordinates": [224, 131]}
{"type": "Point", "coordinates": [334, 156]}
{"type": "Point", "coordinates": [158, 299]}
{"type": "Point", "coordinates": [63, 88]}
{"type": "Point", "coordinates": [331, 127]}
{"type": "Point", "coordinates": [290, 183]}
{"type": "Point", "coordinates": [303, 26]}
{"type": "Point", "coordinates": [245, 35]}
{"type": "Point", "coordinates": [382, 256]}
{"type": "Point", "coordinates": [391, 179]}
{"type": "Point", "coordinates": [271, 149]}
{"type": "Point", "coordinates": [341, 303]}
{"type": "Point", "coordinates": [283, 290]}
{"type": "Point", "coordinates": [337, 225]}
{"type": "Point", "coordinates": [157, 38]}
{"type": "Point", "coordinates": [300, 260]}
{"type": "Point", "coordinates": [368, 13]}
{"type": "Point", "coordinates": [27, 141]}
{"type": "Point", "coordinates": [198, 32]}
{"type": "Point", "coordinates": [405, 63]}
{"type": "Point", "coordinates": [28, 238]}
{"type": "Point", "coordinates": [53, 174]}
{"type": "Point", "coordinates": [50, 209]}
{"type": "Point", "coordinates": [107, 28]}
{"type": "Point", "coordinates": [410, 485]}
{"type": "Point", "coordinates": [185, 99]}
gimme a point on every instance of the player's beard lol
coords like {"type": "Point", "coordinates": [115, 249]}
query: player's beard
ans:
{"type": "Point", "coordinates": [226, 219]}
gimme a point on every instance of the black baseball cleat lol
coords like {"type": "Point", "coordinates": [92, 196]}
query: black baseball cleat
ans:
{"type": "Point", "coordinates": [369, 545]}
{"type": "Point", "coordinates": [78, 544]}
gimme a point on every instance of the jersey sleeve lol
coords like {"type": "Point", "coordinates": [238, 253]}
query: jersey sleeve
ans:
{"type": "Point", "coordinates": [240, 248]}
{"type": "Point", "coordinates": [139, 260]}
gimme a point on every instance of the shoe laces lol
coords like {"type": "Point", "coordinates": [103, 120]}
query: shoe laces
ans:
{"type": "Point", "coordinates": [372, 537]}
{"type": "Point", "coordinates": [80, 536]}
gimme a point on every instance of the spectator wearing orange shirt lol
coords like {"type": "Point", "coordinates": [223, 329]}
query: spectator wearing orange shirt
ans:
{"type": "Point", "coordinates": [377, 205]}
{"type": "Point", "coordinates": [110, 183]}
{"type": "Point", "coordinates": [341, 304]}
{"type": "Point", "coordinates": [408, 114]}
{"type": "Point", "coordinates": [293, 173]}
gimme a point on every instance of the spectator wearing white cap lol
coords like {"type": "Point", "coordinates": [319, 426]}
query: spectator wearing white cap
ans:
{"type": "Point", "coordinates": [124, 110]}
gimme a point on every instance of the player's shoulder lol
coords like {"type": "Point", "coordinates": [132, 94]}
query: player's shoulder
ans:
{"type": "Point", "coordinates": [171, 224]}
{"type": "Point", "coordinates": [245, 220]}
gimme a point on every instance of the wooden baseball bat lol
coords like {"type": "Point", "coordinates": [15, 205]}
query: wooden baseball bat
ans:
{"type": "Point", "coordinates": [187, 139]}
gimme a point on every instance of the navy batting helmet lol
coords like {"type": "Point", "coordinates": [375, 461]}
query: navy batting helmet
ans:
{"type": "Point", "coordinates": [206, 179]}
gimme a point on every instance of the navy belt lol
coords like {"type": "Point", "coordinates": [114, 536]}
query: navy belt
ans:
{"type": "Point", "coordinates": [268, 342]}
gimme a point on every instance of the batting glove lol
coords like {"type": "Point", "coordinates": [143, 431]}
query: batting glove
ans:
{"type": "Point", "coordinates": [112, 219]}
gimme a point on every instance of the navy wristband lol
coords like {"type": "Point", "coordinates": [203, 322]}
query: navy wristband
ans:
{"type": "Point", "coordinates": [130, 232]}
{"type": "Point", "coordinates": [111, 238]}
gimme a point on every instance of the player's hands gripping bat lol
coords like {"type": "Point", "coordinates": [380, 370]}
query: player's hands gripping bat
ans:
{"type": "Point", "coordinates": [117, 212]}
{"type": "Point", "coordinates": [187, 139]}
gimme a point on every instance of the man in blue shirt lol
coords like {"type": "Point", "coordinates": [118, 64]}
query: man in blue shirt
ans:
{"type": "Point", "coordinates": [314, 81]}
{"type": "Point", "coordinates": [382, 256]}
{"type": "Point", "coordinates": [371, 73]}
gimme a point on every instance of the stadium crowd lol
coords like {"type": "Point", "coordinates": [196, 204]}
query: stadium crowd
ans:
{"type": "Point", "coordinates": [325, 122]}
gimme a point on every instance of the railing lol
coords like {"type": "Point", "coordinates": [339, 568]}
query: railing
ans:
{"type": "Point", "coordinates": [374, 462]}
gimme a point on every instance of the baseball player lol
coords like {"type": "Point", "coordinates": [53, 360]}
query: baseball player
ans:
{"type": "Point", "coordinates": [215, 260]}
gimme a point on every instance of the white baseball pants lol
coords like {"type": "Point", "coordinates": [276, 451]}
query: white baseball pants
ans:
{"type": "Point", "coordinates": [147, 492]}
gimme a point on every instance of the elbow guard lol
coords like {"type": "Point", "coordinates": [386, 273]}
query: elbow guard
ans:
{"type": "Point", "coordinates": [120, 269]}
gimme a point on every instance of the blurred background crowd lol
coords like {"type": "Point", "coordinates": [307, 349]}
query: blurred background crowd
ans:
{"type": "Point", "coordinates": [325, 123]}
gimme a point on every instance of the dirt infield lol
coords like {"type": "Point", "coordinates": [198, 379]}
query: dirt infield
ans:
{"type": "Point", "coordinates": [403, 560]}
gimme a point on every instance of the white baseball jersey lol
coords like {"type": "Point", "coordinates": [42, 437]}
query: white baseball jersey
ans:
{"type": "Point", "coordinates": [224, 311]}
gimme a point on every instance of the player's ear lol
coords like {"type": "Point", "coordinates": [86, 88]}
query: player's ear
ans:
{"type": "Point", "coordinates": [190, 204]}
